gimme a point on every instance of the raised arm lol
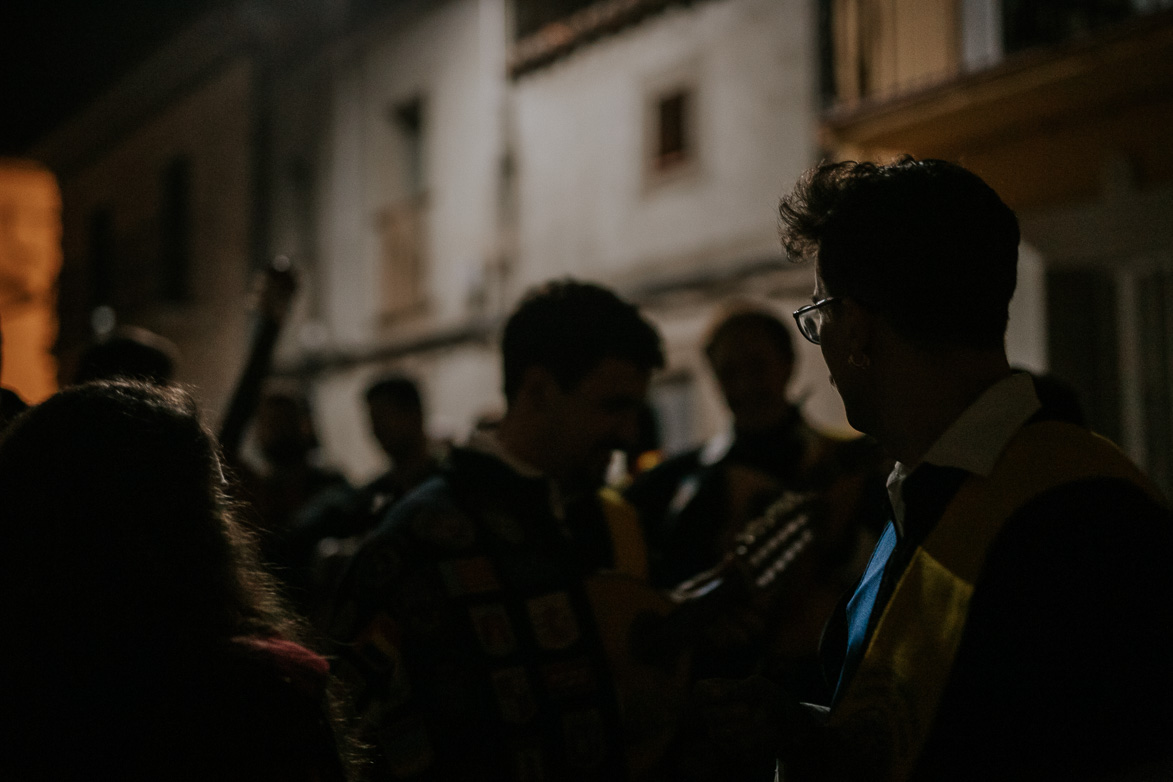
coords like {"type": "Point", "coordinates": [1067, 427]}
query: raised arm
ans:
{"type": "Point", "coordinates": [277, 286]}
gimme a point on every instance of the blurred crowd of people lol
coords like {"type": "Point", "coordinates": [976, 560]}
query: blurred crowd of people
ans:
{"type": "Point", "coordinates": [778, 602]}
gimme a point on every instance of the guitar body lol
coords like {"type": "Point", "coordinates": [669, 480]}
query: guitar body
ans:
{"type": "Point", "coordinates": [650, 637]}
{"type": "Point", "coordinates": [651, 693]}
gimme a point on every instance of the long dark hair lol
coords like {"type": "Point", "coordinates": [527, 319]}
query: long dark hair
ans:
{"type": "Point", "coordinates": [126, 588]}
{"type": "Point", "coordinates": [113, 496]}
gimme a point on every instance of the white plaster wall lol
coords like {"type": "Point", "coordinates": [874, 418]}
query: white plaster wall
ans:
{"type": "Point", "coordinates": [1026, 334]}
{"type": "Point", "coordinates": [348, 279]}
{"type": "Point", "coordinates": [453, 57]}
{"type": "Point", "coordinates": [585, 206]}
{"type": "Point", "coordinates": [211, 125]}
{"type": "Point", "coordinates": [577, 129]}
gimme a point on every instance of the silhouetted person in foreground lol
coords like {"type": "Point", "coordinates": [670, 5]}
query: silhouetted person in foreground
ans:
{"type": "Point", "coordinates": [465, 622]}
{"type": "Point", "coordinates": [1015, 619]}
{"type": "Point", "coordinates": [142, 639]}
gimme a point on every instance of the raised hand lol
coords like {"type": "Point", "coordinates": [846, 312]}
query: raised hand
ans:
{"type": "Point", "coordinates": [276, 287]}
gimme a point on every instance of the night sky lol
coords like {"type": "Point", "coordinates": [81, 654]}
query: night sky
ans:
{"type": "Point", "coordinates": [56, 55]}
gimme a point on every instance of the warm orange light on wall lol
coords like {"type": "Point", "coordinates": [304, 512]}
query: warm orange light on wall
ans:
{"type": "Point", "coordinates": [30, 259]}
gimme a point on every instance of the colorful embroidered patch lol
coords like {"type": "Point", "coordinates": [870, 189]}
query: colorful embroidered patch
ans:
{"type": "Point", "coordinates": [514, 695]}
{"type": "Point", "coordinates": [554, 622]}
{"type": "Point", "coordinates": [570, 679]}
{"type": "Point", "coordinates": [493, 629]}
{"type": "Point", "coordinates": [444, 527]}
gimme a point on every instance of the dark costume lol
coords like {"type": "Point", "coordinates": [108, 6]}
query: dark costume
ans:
{"type": "Point", "coordinates": [274, 500]}
{"type": "Point", "coordinates": [327, 532]}
{"type": "Point", "coordinates": [1048, 657]}
{"type": "Point", "coordinates": [468, 636]}
{"type": "Point", "coordinates": [250, 709]}
{"type": "Point", "coordinates": [693, 504]}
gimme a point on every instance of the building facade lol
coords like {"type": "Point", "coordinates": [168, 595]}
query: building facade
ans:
{"type": "Point", "coordinates": [426, 163]}
{"type": "Point", "coordinates": [458, 153]}
{"type": "Point", "coordinates": [1064, 107]}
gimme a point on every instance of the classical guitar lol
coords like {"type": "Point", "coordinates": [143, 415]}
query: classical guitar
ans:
{"type": "Point", "coordinates": [650, 635]}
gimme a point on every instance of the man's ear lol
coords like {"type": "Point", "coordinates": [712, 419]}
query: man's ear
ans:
{"type": "Point", "coordinates": [860, 326]}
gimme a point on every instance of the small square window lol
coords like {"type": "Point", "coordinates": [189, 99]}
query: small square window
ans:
{"type": "Point", "coordinates": [674, 130]}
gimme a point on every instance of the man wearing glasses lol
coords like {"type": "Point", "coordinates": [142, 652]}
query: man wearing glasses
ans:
{"type": "Point", "coordinates": [1015, 620]}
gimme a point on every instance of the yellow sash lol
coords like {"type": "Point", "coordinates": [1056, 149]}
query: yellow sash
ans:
{"type": "Point", "coordinates": [890, 704]}
{"type": "Point", "coordinates": [627, 540]}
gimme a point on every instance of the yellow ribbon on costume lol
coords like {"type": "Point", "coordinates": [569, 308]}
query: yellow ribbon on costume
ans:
{"type": "Point", "coordinates": [890, 704]}
{"type": "Point", "coordinates": [627, 541]}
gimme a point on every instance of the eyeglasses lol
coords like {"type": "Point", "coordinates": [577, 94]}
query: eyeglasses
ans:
{"type": "Point", "coordinates": [810, 318]}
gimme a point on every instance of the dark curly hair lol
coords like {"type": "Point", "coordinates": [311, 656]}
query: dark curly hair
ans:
{"type": "Point", "coordinates": [925, 242]}
{"type": "Point", "coordinates": [568, 327]}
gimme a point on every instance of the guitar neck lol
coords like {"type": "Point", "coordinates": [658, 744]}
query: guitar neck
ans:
{"type": "Point", "coordinates": [766, 549]}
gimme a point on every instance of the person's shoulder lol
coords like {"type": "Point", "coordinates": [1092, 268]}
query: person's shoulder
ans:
{"type": "Point", "coordinates": [1096, 524]}
{"type": "Point", "coordinates": [431, 512]}
{"type": "Point", "coordinates": [1100, 499]}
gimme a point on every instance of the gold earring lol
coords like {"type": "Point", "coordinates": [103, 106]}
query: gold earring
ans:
{"type": "Point", "coordinates": [859, 363]}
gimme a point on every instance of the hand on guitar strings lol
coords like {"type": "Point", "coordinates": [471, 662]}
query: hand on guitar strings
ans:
{"type": "Point", "coordinates": [739, 625]}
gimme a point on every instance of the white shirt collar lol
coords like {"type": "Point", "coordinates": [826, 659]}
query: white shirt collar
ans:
{"type": "Point", "coordinates": [487, 441]}
{"type": "Point", "coordinates": [974, 441]}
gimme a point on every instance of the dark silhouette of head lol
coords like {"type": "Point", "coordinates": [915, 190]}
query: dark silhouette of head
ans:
{"type": "Point", "coordinates": [285, 426]}
{"type": "Point", "coordinates": [132, 577]}
{"type": "Point", "coordinates": [114, 491]}
{"type": "Point", "coordinates": [577, 362]}
{"type": "Point", "coordinates": [926, 243]}
{"type": "Point", "coordinates": [567, 327]}
{"type": "Point", "coordinates": [397, 415]}
{"type": "Point", "coordinates": [752, 357]}
{"type": "Point", "coordinates": [128, 352]}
